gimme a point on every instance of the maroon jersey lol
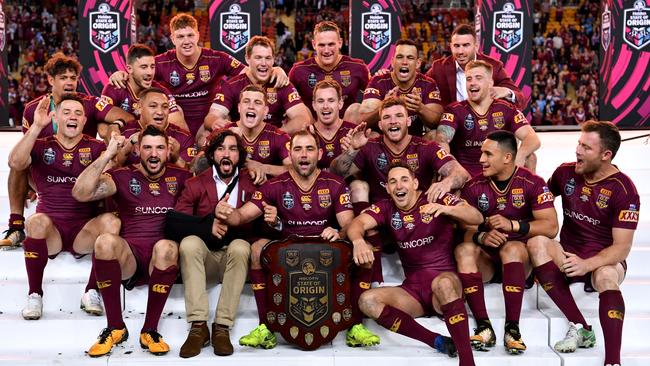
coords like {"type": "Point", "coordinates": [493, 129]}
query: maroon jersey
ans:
{"type": "Point", "coordinates": [194, 88]}
{"type": "Point", "coordinates": [279, 100]}
{"type": "Point", "coordinates": [55, 170]}
{"type": "Point", "coordinates": [425, 158]}
{"type": "Point", "coordinates": [332, 147]}
{"type": "Point", "coordinates": [271, 146]}
{"type": "Point", "coordinates": [472, 129]}
{"type": "Point", "coordinates": [95, 110]}
{"type": "Point", "coordinates": [142, 203]}
{"type": "Point", "coordinates": [187, 150]}
{"type": "Point", "coordinates": [128, 101]}
{"type": "Point", "coordinates": [351, 73]}
{"type": "Point", "coordinates": [592, 210]}
{"type": "Point", "coordinates": [424, 242]}
{"type": "Point", "coordinates": [305, 212]}
{"type": "Point", "coordinates": [525, 193]}
{"type": "Point", "coordinates": [426, 87]}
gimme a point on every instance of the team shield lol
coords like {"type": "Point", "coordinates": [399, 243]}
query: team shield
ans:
{"type": "Point", "coordinates": [104, 28]}
{"type": "Point", "coordinates": [307, 301]}
{"type": "Point", "coordinates": [235, 28]}
{"type": "Point", "coordinates": [508, 29]}
{"type": "Point", "coordinates": [376, 28]}
{"type": "Point", "coordinates": [636, 30]}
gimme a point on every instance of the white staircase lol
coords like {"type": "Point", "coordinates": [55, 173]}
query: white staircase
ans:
{"type": "Point", "coordinates": [64, 332]}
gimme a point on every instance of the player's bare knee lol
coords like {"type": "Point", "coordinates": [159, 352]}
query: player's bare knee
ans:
{"type": "Point", "coordinates": [370, 304]}
{"type": "Point", "coordinates": [38, 225]}
{"type": "Point", "coordinates": [106, 246]}
{"type": "Point", "coordinates": [446, 287]}
{"type": "Point", "coordinates": [513, 251]}
{"type": "Point", "coordinates": [466, 250]}
{"type": "Point", "coordinates": [359, 191]}
{"type": "Point", "coordinates": [605, 278]}
{"type": "Point", "coordinates": [165, 253]}
{"type": "Point", "coordinates": [256, 253]}
{"type": "Point", "coordinates": [109, 223]}
{"type": "Point", "coordinates": [538, 247]}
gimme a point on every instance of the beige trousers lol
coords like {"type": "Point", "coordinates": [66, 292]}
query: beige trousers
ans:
{"type": "Point", "coordinates": [199, 266]}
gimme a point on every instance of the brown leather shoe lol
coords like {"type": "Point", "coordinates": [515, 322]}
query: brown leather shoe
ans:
{"type": "Point", "coordinates": [221, 340]}
{"type": "Point", "coordinates": [198, 338]}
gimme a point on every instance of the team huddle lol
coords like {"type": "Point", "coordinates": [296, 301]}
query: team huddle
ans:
{"type": "Point", "coordinates": [439, 167]}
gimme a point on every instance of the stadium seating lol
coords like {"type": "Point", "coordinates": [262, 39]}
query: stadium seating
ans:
{"type": "Point", "coordinates": [65, 332]}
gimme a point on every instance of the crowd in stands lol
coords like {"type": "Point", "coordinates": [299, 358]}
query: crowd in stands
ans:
{"type": "Point", "coordinates": [565, 60]}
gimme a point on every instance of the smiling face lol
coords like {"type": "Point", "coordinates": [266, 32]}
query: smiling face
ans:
{"type": "Point", "coordinates": [402, 187]}
{"type": "Point", "coordinates": [260, 63]}
{"type": "Point", "coordinates": [463, 48]}
{"type": "Point", "coordinates": [394, 123]}
{"type": "Point", "coordinates": [305, 155]}
{"type": "Point", "coordinates": [186, 41]}
{"type": "Point", "coordinates": [327, 105]}
{"type": "Point", "coordinates": [154, 110]}
{"type": "Point", "coordinates": [252, 109]}
{"type": "Point", "coordinates": [328, 46]}
{"type": "Point", "coordinates": [405, 63]}
{"type": "Point", "coordinates": [493, 159]}
{"type": "Point", "coordinates": [479, 83]}
{"type": "Point", "coordinates": [70, 118]}
{"type": "Point", "coordinates": [142, 71]}
{"type": "Point", "coordinates": [153, 151]}
{"type": "Point", "coordinates": [64, 83]}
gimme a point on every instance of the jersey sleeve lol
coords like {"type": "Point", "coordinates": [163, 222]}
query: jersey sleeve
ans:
{"type": "Point", "coordinates": [378, 211]}
{"type": "Point", "coordinates": [431, 94]}
{"type": "Point", "coordinates": [626, 208]}
{"type": "Point", "coordinates": [555, 181]}
{"type": "Point", "coordinates": [373, 90]}
{"type": "Point", "coordinates": [229, 65]}
{"type": "Point", "coordinates": [342, 200]}
{"type": "Point", "coordinates": [448, 118]}
{"type": "Point", "coordinates": [440, 156]}
{"type": "Point", "coordinates": [282, 144]}
{"type": "Point", "coordinates": [101, 107]}
{"type": "Point", "coordinates": [264, 194]}
{"type": "Point", "coordinates": [289, 97]}
{"type": "Point", "coordinates": [517, 120]}
{"type": "Point", "coordinates": [542, 197]}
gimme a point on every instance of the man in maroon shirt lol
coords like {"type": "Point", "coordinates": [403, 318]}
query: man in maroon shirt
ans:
{"type": "Point", "coordinates": [465, 124]}
{"type": "Point", "coordinates": [424, 235]}
{"type": "Point", "coordinates": [449, 72]}
{"type": "Point", "coordinates": [141, 67]}
{"type": "Point", "coordinates": [60, 222]}
{"type": "Point", "coordinates": [62, 74]}
{"type": "Point", "coordinates": [284, 101]}
{"type": "Point", "coordinates": [328, 64]}
{"type": "Point", "coordinates": [140, 255]}
{"type": "Point", "coordinates": [303, 201]}
{"type": "Point", "coordinates": [516, 205]}
{"type": "Point", "coordinates": [419, 92]}
{"type": "Point", "coordinates": [601, 212]}
{"type": "Point", "coordinates": [329, 126]}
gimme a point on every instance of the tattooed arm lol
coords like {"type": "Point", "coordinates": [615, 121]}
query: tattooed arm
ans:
{"type": "Point", "coordinates": [455, 177]}
{"type": "Point", "coordinates": [92, 184]}
{"type": "Point", "coordinates": [444, 136]}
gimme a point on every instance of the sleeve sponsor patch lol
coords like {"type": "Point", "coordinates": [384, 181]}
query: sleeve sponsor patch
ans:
{"type": "Point", "coordinates": [442, 153]}
{"type": "Point", "coordinates": [103, 102]}
{"type": "Point", "coordinates": [219, 97]}
{"type": "Point", "coordinates": [434, 95]}
{"type": "Point", "coordinates": [545, 197]}
{"type": "Point", "coordinates": [234, 63]}
{"type": "Point", "coordinates": [450, 200]}
{"type": "Point", "coordinates": [371, 91]}
{"type": "Point", "coordinates": [520, 118]}
{"type": "Point", "coordinates": [344, 199]}
{"type": "Point", "coordinates": [191, 151]}
{"type": "Point", "coordinates": [447, 117]}
{"type": "Point", "coordinates": [373, 208]}
{"type": "Point", "coordinates": [294, 96]}
{"type": "Point", "coordinates": [257, 195]}
{"type": "Point", "coordinates": [631, 215]}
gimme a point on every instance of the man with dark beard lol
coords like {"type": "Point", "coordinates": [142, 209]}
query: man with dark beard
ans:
{"type": "Point", "coordinates": [225, 260]}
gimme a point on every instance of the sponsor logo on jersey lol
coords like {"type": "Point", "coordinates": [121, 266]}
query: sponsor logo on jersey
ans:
{"type": "Point", "coordinates": [103, 102]}
{"type": "Point", "coordinates": [630, 215]}
{"type": "Point", "coordinates": [441, 153]}
{"type": "Point", "coordinates": [374, 91]}
{"type": "Point", "coordinates": [373, 208]}
{"type": "Point", "coordinates": [344, 199]}
{"type": "Point", "coordinates": [257, 195]}
{"type": "Point", "coordinates": [294, 96]}
{"type": "Point", "coordinates": [287, 200]}
{"type": "Point", "coordinates": [545, 197]}
{"type": "Point", "coordinates": [570, 187]}
{"type": "Point", "coordinates": [204, 73]}
{"type": "Point", "coordinates": [134, 187]}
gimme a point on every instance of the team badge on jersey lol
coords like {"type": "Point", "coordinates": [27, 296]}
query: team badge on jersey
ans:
{"type": "Point", "coordinates": [324, 198]}
{"type": "Point", "coordinates": [287, 200]}
{"type": "Point", "coordinates": [517, 196]}
{"type": "Point", "coordinates": [134, 187]}
{"type": "Point", "coordinates": [425, 217]}
{"type": "Point", "coordinates": [570, 187]}
{"type": "Point", "coordinates": [396, 221]}
{"type": "Point", "coordinates": [346, 78]}
{"type": "Point", "coordinates": [204, 73]}
{"type": "Point", "coordinates": [498, 119]}
{"type": "Point", "coordinates": [174, 78]}
{"type": "Point", "coordinates": [469, 122]}
{"type": "Point", "coordinates": [311, 80]}
{"type": "Point", "coordinates": [271, 95]}
{"type": "Point", "coordinates": [382, 161]}
{"type": "Point", "coordinates": [264, 149]}
{"type": "Point", "coordinates": [603, 198]}
{"type": "Point", "coordinates": [126, 105]}
{"type": "Point", "coordinates": [483, 202]}
{"type": "Point", "coordinates": [172, 185]}
{"type": "Point", "coordinates": [412, 161]}
{"type": "Point", "coordinates": [85, 156]}
{"type": "Point", "coordinates": [49, 156]}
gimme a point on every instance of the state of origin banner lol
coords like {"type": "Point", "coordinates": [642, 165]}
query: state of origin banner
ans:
{"type": "Point", "coordinates": [4, 82]}
{"type": "Point", "coordinates": [504, 30]}
{"type": "Point", "coordinates": [232, 24]}
{"type": "Point", "coordinates": [106, 30]}
{"type": "Point", "coordinates": [375, 27]}
{"type": "Point", "coordinates": [625, 60]}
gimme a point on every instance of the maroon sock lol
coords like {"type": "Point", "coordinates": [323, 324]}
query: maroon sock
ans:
{"type": "Point", "coordinates": [514, 280]}
{"type": "Point", "coordinates": [92, 281]}
{"type": "Point", "coordinates": [160, 285]}
{"type": "Point", "coordinates": [35, 262]}
{"type": "Point", "coordinates": [357, 207]}
{"type": "Point", "coordinates": [258, 283]}
{"type": "Point", "coordinates": [375, 241]}
{"type": "Point", "coordinates": [555, 285]}
{"type": "Point", "coordinates": [360, 283]}
{"type": "Point", "coordinates": [16, 222]}
{"type": "Point", "coordinates": [474, 294]}
{"type": "Point", "coordinates": [456, 319]}
{"type": "Point", "coordinates": [109, 274]}
{"type": "Point", "coordinates": [612, 312]}
{"type": "Point", "coordinates": [400, 322]}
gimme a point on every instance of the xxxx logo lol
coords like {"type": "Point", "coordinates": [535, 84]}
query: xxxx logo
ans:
{"type": "Point", "coordinates": [31, 255]}
{"type": "Point", "coordinates": [513, 289]}
{"type": "Point", "coordinates": [103, 284]}
{"type": "Point", "coordinates": [470, 290]}
{"type": "Point", "coordinates": [161, 289]}
{"type": "Point", "coordinates": [615, 314]}
{"type": "Point", "coordinates": [456, 319]}
{"type": "Point", "coordinates": [396, 325]}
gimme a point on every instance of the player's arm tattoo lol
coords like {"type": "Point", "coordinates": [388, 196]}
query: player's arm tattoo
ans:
{"type": "Point", "coordinates": [455, 174]}
{"type": "Point", "coordinates": [343, 165]}
{"type": "Point", "coordinates": [445, 133]}
{"type": "Point", "coordinates": [92, 184]}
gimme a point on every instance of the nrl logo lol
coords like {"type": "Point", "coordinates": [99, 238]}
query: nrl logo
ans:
{"type": "Point", "coordinates": [508, 28]}
{"type": "Point", "coordinates": [636, 31]}
{"type": "Point", "coordinates": [235, 28]}
{"type": "Point", "coordinates": [606, 25]}
{"type": "Point", "coordinates": [104, 28]}
{"type": "Point", "coordinates": [376, 28]}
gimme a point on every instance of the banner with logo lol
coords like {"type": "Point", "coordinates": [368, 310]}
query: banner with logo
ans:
{"type": "Point", "coordinates": [504, 29]}
{"type": "Point", "coordinates": [375, 26]}
{"type": "Point", "coordinates": [4, 82]}
{"type": "Point", "coordinates": [308, 289]}
{"type": "Point", "coordinates": [232, 24]}
{"type": "Point", "coordinates": [624, 60]}
{"type": "Point", "coordinates": [106, 30]}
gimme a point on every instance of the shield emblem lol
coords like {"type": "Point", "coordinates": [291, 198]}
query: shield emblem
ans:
{"type": "Point", "coordinates": [49, 156]}
{"type": "Point", "coordinates": [134, 187]}
{"type": "Point", "coordinates": [204, 73]}
{"type": "Point", "coordinates": [310, 302]}
{"type": "Point", "coordinates": [469, 122]}
{"type": "Point", "coordinates": [483, 202]}
{"type": "Point", "coordinates": [291, 257]}
{"type": "Point", "coordinates": [270, 316]}
{"type": "Point", "coordinates": [85, 158]}
{"type": "Point", "coordinates": [174, 78]}
{"type": "Point", "coordinates": [235, 29]}
{"type": "Point", "coordinates": [508, 29]}
{"type": "Point", "coordinates": [636, 30]}
{"type": "Point", "coordinates": [277, 278]}
{"type": "Point", "coordinates": [104, 28]}
{"type": "Point", "coordinates": [311, 80]}
{"type": "Point", "coordinates": [377, 28]}
{"type": "Point", "coordinates": [382, 161]}
{"type": "Point", "coordinates": [172, 187]}
{"type": "Point", "coordinates": [606, 27]}
{"type": "Point", "coordinates": [271, 95]}
{"type": "Point", "coordinates": [570, 187]}
{"type": "Point", "coordinates": [396, 221]}
{"type": "Point", "coordinates": [287, 200]}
